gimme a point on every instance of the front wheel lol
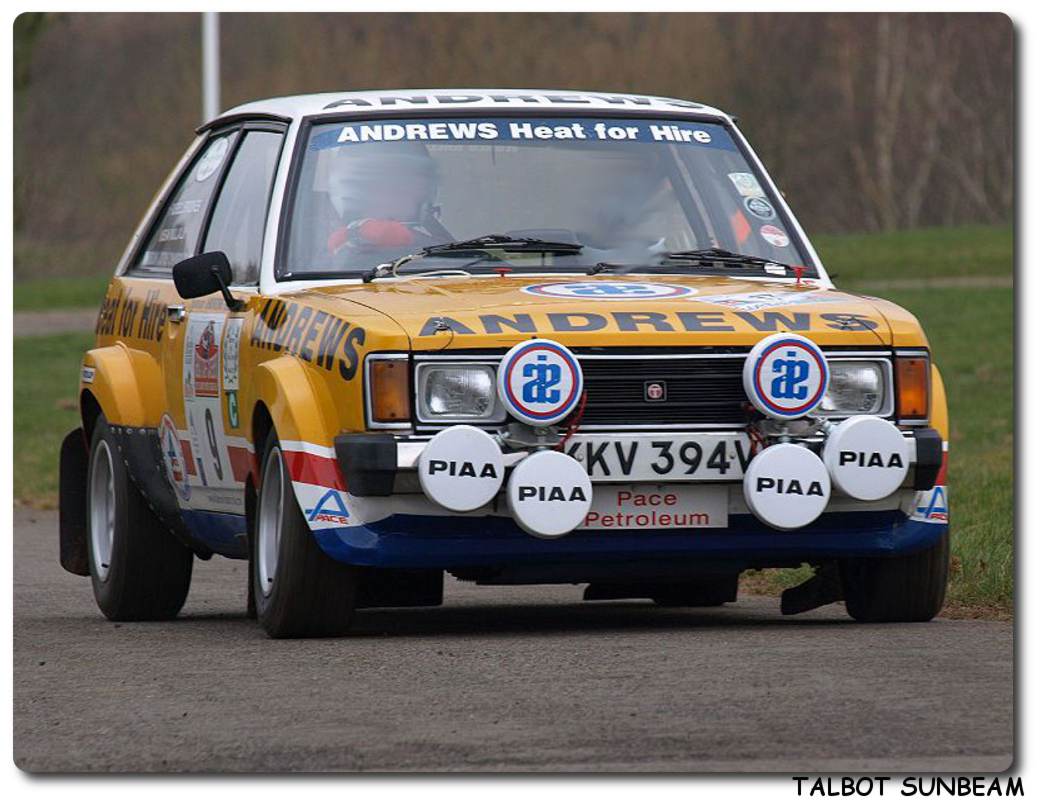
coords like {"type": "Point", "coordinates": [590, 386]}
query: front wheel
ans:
{"type": "Point", "coordinates": [898, 589]}
{"type": "Point", "coordinates": [298, 590]}
{"type": "Point", "coordinates": [138, 570]}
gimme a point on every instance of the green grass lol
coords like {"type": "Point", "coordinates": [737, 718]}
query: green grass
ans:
{"type": "Point", "coordinates": [44, 294]}
{"type": "Point", "coordinates": [46, 375]}
{"type": "Point", "coordinates": [973, 250]}
{"type": "Point", "coordinates": [971, 335]}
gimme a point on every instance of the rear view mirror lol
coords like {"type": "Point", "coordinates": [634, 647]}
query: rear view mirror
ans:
{"type": "Point", "coordinates": [205, 274]}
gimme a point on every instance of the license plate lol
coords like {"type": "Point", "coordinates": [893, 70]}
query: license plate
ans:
{"type": "Point", "coordinates": [657, 506]}
{"type": "Point", "coordinates": [655, 457]}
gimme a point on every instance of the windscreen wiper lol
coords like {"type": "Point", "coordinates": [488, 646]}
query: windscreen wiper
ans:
{"type": "Point", "coordinates": [713, 257]}
{"type": "Point", "coordinates": [492, 241]}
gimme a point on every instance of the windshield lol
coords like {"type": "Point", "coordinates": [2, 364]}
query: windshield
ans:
{"type": "Point", "coordinates": [627, 190]}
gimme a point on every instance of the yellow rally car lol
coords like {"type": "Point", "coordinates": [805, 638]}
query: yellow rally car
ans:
{"type": "Point", "coordinates": [364, 339]}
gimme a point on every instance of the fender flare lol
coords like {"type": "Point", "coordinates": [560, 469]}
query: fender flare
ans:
{"type": "Point", "coordinates": [127, 384]}
{"type": "Point", "coordinates": [298, 401]}
{"type": "Point", "coordinates": [301, 410]}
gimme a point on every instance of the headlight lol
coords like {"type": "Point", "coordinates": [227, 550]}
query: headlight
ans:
{"type": "Point", "coordinates": [457, 393]}
{"type": "Point", "coordinates": [855, 387]}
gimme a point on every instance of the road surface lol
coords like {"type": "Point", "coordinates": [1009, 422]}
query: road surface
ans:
{"type": "Point", "coordinates": [505, 679]}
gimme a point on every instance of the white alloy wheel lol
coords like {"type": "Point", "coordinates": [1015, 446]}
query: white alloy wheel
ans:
{"type": "Point", "coordinates": [102, 509]}
{"type": "Point", "coordinates": [269, 521]}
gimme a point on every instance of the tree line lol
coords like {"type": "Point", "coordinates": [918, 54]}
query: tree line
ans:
{"type": "Point", "coordinates": [868, 122]}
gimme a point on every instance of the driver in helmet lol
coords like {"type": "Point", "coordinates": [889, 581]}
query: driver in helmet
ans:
{"type": "Point", "coordinates": [383, 198]}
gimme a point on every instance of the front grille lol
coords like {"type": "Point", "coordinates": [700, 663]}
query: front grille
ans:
{"type": "Point", "coordinates": [700, 390]}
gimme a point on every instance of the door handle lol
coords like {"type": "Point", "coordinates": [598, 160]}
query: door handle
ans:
{"type": "Point", "coordinates": [175, 313]}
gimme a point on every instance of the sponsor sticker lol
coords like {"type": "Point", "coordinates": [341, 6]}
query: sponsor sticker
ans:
{"type": "Point", "coordinates": [329, 508]}
{"type": "Point", "coordinates": [87, 374]}
{"type": "Point", "coordinates": [609, 290]}
{"type": "Point", "coordinates": [212, 159]}
{"type": "Point", "coordinates": [461, 468]}
{"type": "Point", "coordinates": [323, 506]}
{"type": "Point", "coordinates": [204, 412]}
{"type": "Point", "coordinates": [656, 507]}
{"type": "Point", "coordinates": [774, 236]}
{"type": "Point", "coordinates": [745, 184]}
{"type": "Point", "coordinates": [230, 353]}
{"type": "Point", "coordinates": [787, 486]}
{"type": "Point", "coordinates": [173, 458]}
{"type": "Point", "coordinates": [539, 382]}
{"type": "Point", "coordinates": [754, 301]}
{"type": "Point", "coordinates": [867, 457]}
{"type": "Point", "coordinates": [233, 408]}
{"type": "Point", "coordinates": [759, 207]}
{"type": "Point", "coordinates": [932, 506]}
{"type": "Point", "coordinates": [536, 129]}
{"type": "Point", "coordinates": [204, 362]}
{"type": "Point", "coordinates": [549, 494]}
{"type": "Point", "coordinates": [785, 376]}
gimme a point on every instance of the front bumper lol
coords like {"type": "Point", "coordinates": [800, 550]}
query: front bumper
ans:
{"type": "Point", "coordinates": [392, 524]}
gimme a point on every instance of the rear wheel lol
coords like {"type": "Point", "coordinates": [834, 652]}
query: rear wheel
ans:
{"type": "Point", "coordinates": [298, 590]}
{"type": "Point", "coordinates": [139, 571]}
{"type": "Point", "coordinates": [900, 589]}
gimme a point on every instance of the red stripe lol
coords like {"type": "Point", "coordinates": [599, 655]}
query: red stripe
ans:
{"type": "Point", "coordinates": [241, 461]}
{"type": "Point", "coordinates": [942, 473]}
{"type": "Point", "coordinates": [307, 468]}
{"type": "Point", "coordinates": [186, 452]}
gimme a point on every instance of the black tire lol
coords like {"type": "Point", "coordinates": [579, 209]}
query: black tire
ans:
{"type": "Point", "coordinates": [900, 589]}
{"type": "Point", "coordinates": [309, 593]}
{"type": "Point", "coordinates": [703, 593]}
{"type": "Point", "coordinates": [147, 572]}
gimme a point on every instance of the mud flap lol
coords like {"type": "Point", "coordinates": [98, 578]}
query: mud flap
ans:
{"type": "Point", "coordinates": [143, 456]}
{"type": "Point", "coordinates": [72, 503]}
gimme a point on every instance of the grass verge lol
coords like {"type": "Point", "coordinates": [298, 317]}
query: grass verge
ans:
{"type": "Point", "coordinates": [46, 375]}
{"type": "Point", "coordinates": [45, 294]}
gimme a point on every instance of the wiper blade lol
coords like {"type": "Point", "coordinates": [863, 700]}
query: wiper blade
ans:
{"type": "Point", "coordinates": [500, 241]}
{"type": "Point", "coordinates": [718, 256]}
{"type": "Point", "coordinates": [492, 241]}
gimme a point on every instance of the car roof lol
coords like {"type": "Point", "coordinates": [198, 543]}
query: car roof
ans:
{"type": "Point", "coordinates": [338, 103]}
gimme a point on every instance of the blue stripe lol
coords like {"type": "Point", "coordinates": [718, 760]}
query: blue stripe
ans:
{"type": "Point", "coordinates": [447, 541]}
{"type": "Point", "coordinates": [225, 534]}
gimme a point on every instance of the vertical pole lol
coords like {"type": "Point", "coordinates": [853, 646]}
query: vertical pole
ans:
{"type": "Point", "coordinates": [211, 65]}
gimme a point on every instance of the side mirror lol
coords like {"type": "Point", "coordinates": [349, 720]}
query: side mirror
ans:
{"type": "Point", "coordinates": [205, 274]}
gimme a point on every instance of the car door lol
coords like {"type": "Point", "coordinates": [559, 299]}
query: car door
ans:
{"type": "Point", "coordinates": [219, 203]}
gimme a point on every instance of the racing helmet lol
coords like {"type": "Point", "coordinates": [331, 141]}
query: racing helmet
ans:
{"type": "Point", "coordinates": [383, 180]}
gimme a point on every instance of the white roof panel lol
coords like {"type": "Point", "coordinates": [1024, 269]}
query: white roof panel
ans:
{"type": "Point", "coordinates": [302, 105]}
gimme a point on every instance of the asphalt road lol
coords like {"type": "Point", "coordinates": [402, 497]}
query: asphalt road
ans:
{"type": "Point", "coordinates": [505, 679]}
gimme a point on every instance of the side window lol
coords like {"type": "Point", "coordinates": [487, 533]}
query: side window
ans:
{"type": "Point", "coordinates": [237, 226]}
{"type": "Point", "coordinates": [176, 234]}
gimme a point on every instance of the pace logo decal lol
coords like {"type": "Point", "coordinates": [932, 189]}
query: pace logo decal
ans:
{"type": "Point", "coordinates": [609, 290]}
{"type": "Point", "coordinates": [786, 376]}
{"type": "Point", "coordinates": [329, 508]}
{"type": "Point", "coordinates": [932, 506]}
{"type": "Point", "coordinates": [173, 457]}
{"type": "Point", "coordinates": [540, 382]}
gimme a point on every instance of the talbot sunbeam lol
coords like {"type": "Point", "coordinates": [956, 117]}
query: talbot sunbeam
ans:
{"type": "Point", "coordinates": [366, 339]}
